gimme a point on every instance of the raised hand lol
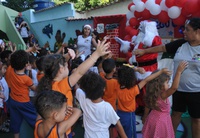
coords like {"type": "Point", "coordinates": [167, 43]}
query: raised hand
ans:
{"type": "Point", "coordinates": [166, 71]}
{"type": "Point", "coordinates": [182, 66]}
{"type": "Point", "coordinates": [102, 48]}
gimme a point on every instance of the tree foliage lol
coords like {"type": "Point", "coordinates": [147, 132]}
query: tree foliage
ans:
{"type": "Point", "coordinates": [83, 5]}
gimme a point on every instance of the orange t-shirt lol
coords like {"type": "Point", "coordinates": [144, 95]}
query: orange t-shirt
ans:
{"type": "Point", "coordinates": [39, 75]}
{"type": "Point", "coordinates": [19, 85]}
{"type": "Point", "coordinates": [64, 88]}
{"type": "Point", "coordinates": [53, 133]}
{"type": "Point", "coordinates": [110, 93]}
{"type": "Point", "coordinates": [126, 98]}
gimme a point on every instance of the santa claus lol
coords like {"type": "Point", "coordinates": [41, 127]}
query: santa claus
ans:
{"type": "Point", "coordinates": [147, 37]}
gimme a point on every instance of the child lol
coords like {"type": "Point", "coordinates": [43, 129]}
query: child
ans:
{"type": "Point", "coordinates": [31, 71]}
{"type": "Point", "coordinates": [19, 84]}
{"type": "Point", "coordinates": [4, 94]}
{"type": "Point", "coordinates": [110, 94]}
{"type": "Point", "coordinates": [98, 115]}
{"type": "Point", "coordinates": [109, 69]}
{"type": "Point", "coordinates": [4, 91]}
{"type": "Point", "coordinates": [126, 95]}
{"type": "Point", "coordinates": [51, 106]}
{"type": "Point", "coordinates": [5, 56]}
{"type": "Point", "coordinates": [158, 123]}
{"type": "Point", "coordinates": [56, 72]}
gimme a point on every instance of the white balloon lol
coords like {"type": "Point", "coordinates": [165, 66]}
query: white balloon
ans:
{"type": "Point", "coordinates": [155, 9]}
{"type": "Point", "coordinates": [139, 6]}
{"type": "Point", "coordinates": [149, 4]}
{"type": "Point", "coordinates": [174, 12]}
{"type": "Point", "coordinates": [163, 6]}
{"type": "Point", "coordinates": [132, 8]}
{"type": "Point", "coordinates": [129, 15]}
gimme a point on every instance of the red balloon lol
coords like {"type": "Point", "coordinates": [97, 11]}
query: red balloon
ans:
{"type": "Point", "coordinates": [154, 16]}
{"type": "Point", "coordinates": [138, 14]}
{"type": "Point", "coordinates": [127, 38]}
{"type": "Point", "coordinates": [191, 6]}
{"type": "Point", "coordinates": [169, 3]}
{"type": "Point", "coordinates": [163, 17]}
{"type": "Point", "coordinates": [133, 22]}
{"type": "Point", "coordinates": [179, 3]}
{"type": "Point", "coordinates": [146, 14]}
{"type": "Point", "coordinates": [197, 14]}
{"type": "Point", "coordinates": [184, 12]}
{"type": "Point", "coordinates": [158, 2]}
{"type": "Point", "coordinates": [128, 29]}
{"type": "Point", "coordinates": [144, 1]}
{"type": "Point", "coordinates": [133, 32]}
{"type": "Point", "coordinates": [180, 20]}
{"type": "Point", "coordinates": [129, 6]}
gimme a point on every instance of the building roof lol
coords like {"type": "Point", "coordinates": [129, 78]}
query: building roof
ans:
{"type": "Point", "coordinates": [76, 19]}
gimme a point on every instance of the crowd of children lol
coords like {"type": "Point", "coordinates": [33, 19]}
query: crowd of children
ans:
{"type": "Point", "coordinates": [42, 89]}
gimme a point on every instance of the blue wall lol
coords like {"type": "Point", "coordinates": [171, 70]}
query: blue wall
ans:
{"type": "Point", "coordinates": [55, 16]}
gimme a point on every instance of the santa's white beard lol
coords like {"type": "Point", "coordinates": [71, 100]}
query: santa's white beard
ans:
{"type": "Point", "coordinates": [138, 39]}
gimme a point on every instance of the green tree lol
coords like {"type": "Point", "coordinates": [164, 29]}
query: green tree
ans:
{"type": "Point", "coordinates": [83, 5]}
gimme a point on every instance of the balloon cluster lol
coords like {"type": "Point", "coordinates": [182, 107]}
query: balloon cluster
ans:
{"type": "Point", "coordinates": [162, 10]}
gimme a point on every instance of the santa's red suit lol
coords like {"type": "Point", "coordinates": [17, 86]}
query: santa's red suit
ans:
{"type": "Point", "coordinates": [147, 37]}
{"type": "Point", "coordinates": [149, 61]}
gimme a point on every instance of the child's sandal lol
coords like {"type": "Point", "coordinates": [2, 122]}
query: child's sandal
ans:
{"type": "Point", "coordinates": [4, 129]}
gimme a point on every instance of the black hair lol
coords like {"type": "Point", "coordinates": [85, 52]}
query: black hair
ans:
{"type": "Point", "coordinates": [194, 23]}
{"type": "Point", "coordinates": [108, 65]}
{"type": "Point", "coordinates": [126, 77]}
{"type": "Point", "coordinates": [48, 101]}
{"type": "Point", "coordinates": [99, 60]}
{"type": "Point", "coordinates": [96, 34]}
{"type": "Point", "coordinates": [39, 63]}
{"type": "Point", "coordinates": [42, 52]}
{"type": "Point", "coordinates": [32, 59]}
{"type": "Point", "coordinates": [93, 85]}
{"type": "Point", "coordinates": [51, 66]}
{"type": "Point", "coordinates": [5, 55]}
{"type": "Point", "coordinates": [75, 63]}
{"type": "Point", "coordinates": [19, 59]}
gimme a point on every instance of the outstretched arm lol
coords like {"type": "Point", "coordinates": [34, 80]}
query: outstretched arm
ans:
{"type": "Point", "coordinates": [153, 76]}
{"type": "Point", "coordinates": [156, 49]}
{"type": "Point", "coordinates": [65, 125]}
{"type": "Point", "coordinates": [102, 49]}
{"type": "Point", "coordinates": [181, 67]}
